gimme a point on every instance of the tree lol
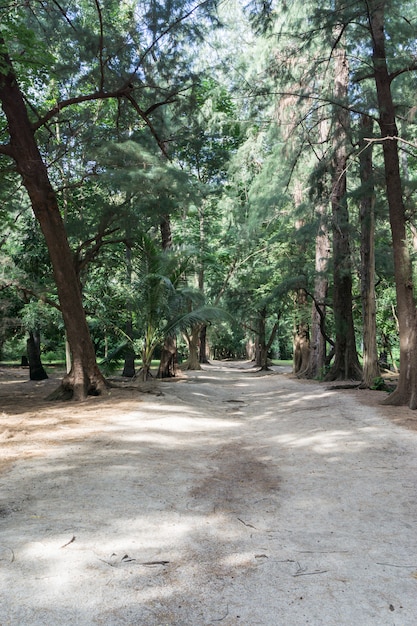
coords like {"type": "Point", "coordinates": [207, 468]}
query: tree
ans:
{"type": "Point", "coordinates": [84, 377]}
{"type": "Point", "coordinates": [406, 391]}
{"type": "Point", "coordinates": [346, 364]}
{"type": "Point", "coordinates": [371, 369]}
{"type": "Point", "coordinates": [97, 83]}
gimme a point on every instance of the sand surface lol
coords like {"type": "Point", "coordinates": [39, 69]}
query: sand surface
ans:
{"type": "Point", "coordinates": [226, 497]}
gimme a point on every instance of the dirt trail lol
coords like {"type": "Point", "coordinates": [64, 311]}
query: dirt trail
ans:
{"type": "Point", "coordinates": [232, 499]}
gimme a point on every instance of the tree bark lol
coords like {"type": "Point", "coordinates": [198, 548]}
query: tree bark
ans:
{"type": "Point", "coordinates": [33, 349]}
{"type": "Point", "coordinates": [262, 350]}
{"type": "Point", "coordinates": [203, 345]}
{"type": "Point", "coordinates": [301, 341]}
{"type": "Point", "coordinates": [85, 376]}
{"type": "Point", "coordinates": [193, 362]}
{"type": "Point", "coordinates": [301, 356]}
{"type": "Point", "coordinates": [346, 363]}
{"type": "Point", "coordinates": [371, 369]}
{"type": "Point", "coordinates": [406, 391]}
{"type": "Point", "coordinates": [168, 362]}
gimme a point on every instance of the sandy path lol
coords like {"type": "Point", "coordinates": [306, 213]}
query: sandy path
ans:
{"type": "Point", "coordinates": [233, 498]}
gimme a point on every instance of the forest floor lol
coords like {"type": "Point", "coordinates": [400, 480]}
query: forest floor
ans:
{"type": "Point", "coordinates": [224, 497]}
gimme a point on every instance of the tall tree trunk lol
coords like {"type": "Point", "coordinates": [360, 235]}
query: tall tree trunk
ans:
{"type": "Point", "coordinates": [316, 365]}
{"type": "Point", "coordinates": [346, 363]}
{"type": "Point", "coordinates": [203, 345]}
{"type": "Point", "coordinates": [317, 360]}
{"type": "Point", "coordinates": [262, 352]}
{"type": "Point", "coordinates": [367, 221]}
{"type": "Point", "coordinates": [301, 341]}
{"type": "Point", "coordinates": [406, 391]}
{"type": "Point", "coordinates": [168, 362]}
{"type": "Point", "coordinates": [129, 361]}
{"type": "Point", "coordinates": [85, 376]}
{"type": "Point", "coordinates": [33, 349]}
{"type": "Point", "coordinates": [301, 355]}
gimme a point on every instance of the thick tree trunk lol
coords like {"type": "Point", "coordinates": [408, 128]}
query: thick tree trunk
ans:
{"type": "Point", "coordinates": [193, 362]}
{"type": "Point", "coordinates": [262, 350]}
{"type": "Point", "coordinates": [33, 349]}
{"type": "Point", "coordinates": [367, 221]}
{"type": "Point", "coordinates": [84, 377]}
{"type": "Point", "coordinates": [167, 364]}
{"type": "Point", "coordinates": [346, 363]}
{"type": "Point", "coordinates": [406, 392]}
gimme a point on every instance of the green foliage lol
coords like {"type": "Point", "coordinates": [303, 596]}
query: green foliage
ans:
{"type": "Point", "coordinates": [379, 384]}
{"type": "Point", "coordinates": [238, 137]}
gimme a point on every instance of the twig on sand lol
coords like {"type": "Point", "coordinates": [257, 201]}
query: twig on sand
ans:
{"type": "Point", "coordinates": [245, 524]}
{"type": "Point", "coordinates": [68, 542]}
{"type": "Point", "coordinates": [394, 565]}
{"type": "Point", "coordinates": [301, 571]}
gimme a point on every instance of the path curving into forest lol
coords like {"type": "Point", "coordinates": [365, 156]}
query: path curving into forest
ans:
{"type": "Point", "coordinates": [235, 498]}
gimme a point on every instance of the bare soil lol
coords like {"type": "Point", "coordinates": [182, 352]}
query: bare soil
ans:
{"type": "Point", "coordinates": [226, 496]}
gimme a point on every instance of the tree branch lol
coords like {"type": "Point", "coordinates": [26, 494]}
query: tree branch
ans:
{"type": "Point", "coordinates": [410, 68]}
{"type": "Point", "coordinates": [149, 124]}
{"type": "Point", "coordinates": [319, 310]}
{"type": "Point", "coordinates": [6, 148]}
{"type": "Point", "coordinates": [97, 95]}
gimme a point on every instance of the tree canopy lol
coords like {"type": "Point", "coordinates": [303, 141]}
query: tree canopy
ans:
{"type": "Point", "coordinates": [234, 179]}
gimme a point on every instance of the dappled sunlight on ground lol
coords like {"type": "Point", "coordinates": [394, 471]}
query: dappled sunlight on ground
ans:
{"type": "Point", "coordinates": [324, 442]}
{"type": "Point", "coordinates": [225, 497]}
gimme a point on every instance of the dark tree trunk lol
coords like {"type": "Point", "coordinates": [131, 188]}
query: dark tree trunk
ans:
{"type": "Point", "coordinates": [367, 221]}
{"type": "Point", "coordinates": [262, 350]}
{"type": "Point", "coordinates": [346, 363]}
{"type": "Point", "coordinates": [84, 377]}
{"type": "Point", "coordinates": [406, 391]}
{"type": "Point", "coordinates": [33, 349]}
{"type": "Point", "coordinates": [203, 345]}
{"type": "Point", "coordinates": [168, 362]}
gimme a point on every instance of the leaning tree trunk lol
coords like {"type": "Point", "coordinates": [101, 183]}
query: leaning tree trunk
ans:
{"type": "Point", "coordinates": [84, 377]}
{"type": "Point", "coordinates": [367, 221]}
{"type": "Point", "coordinates": [346, 363]}
{"type": "Point", "coordinates": [33, 349]}
{"type": "Point", "coordinates": [406, 391]}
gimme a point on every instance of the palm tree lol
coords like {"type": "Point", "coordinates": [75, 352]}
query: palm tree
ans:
{"type": "Point", "coordinates": [161, 300]}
